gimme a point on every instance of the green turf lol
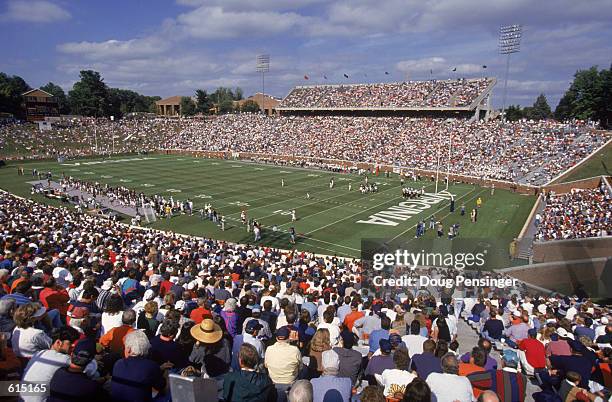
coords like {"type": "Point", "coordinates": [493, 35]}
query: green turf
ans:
{"type": "Point", "coordinates": [327, 223]}
{"type": "Point", "coordinates": [599, 164]}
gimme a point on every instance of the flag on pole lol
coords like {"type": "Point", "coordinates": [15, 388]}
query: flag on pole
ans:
{"type": "Point", "coordinates": [325, 77]}
{"type": "Point", "coordinates": [454, 68]}
{"type": "Point", "coordinates": [431, 72]}
{"type": "Point", "coordinates": [305, 77]}
{"type": "Point", "coordinates": [345, 75]}
{"type": "Point", "coordinates": [484, 66]}
{"type": "Point", "coordinates": [386, 73]}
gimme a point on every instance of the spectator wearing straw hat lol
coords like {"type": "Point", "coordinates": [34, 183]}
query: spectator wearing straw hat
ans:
{"type": "Point", "coordinates": [211, 352]}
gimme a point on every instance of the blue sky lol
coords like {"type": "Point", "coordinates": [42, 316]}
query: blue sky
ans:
{"type": "Point", "coordinates": [165, 47]}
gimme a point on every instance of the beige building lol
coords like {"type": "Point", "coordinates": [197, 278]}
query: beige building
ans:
{"type": "Point", "coordinates": [169, 107]}
{"type": "Point", "coordinates": [267, 102]}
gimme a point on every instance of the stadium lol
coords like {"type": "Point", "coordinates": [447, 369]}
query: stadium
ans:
{"type": "Point", "coordinates": [366, 240]}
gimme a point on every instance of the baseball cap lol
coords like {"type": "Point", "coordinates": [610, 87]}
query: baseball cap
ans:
{"type": "Point", "coordinates": [532, 332]}
{"type": "Point", "coordinates": [385, 345]}
{"type": "Point", "coordinates": [282, 333]}
{"type": "Point", "coordinates": [253, 325]}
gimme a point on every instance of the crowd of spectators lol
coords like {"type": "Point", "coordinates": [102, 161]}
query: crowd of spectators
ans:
{"type": "Point", "coordinates": [102, 311]}
{"type": "Point", "coordinates": [524, 152]}
{"type": "Point", "coordinates": [411, 94]}
{"type": "Point", "coordinates": [77, 137]}
{"type": "Point", "coordinates": [581, 213]}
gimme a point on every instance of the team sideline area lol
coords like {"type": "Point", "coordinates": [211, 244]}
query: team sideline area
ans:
{"type": "Point", "coordinates": [328, 219]}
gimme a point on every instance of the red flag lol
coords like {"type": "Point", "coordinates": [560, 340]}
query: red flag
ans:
{"type": "Point", "coordinates": [377, 170]}
{"type": "Point", "coordinates": [305, 77]}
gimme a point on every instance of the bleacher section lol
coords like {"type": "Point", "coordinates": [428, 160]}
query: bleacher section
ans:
{"type": "Point", "coordinates": [459, 94]}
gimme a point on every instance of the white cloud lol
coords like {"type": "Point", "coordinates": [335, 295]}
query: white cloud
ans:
{"type": "Point", "coordinates": [258, 5]}
{"type": "Point", "coordinates": [425, 65]}
{"type": "Point", "coordinates": [132, 48]}
{"type": "Point", "coordinates": [216, 23]}
{"type": "Point", "coordinates": [34, 11]}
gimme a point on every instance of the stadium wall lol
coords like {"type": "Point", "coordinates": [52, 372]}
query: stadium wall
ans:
{"type": "Point", "coordinates": [593, 275]}
{"type": "Point", "coordinates": [499, 184]}
{"type": "Point", "coordinates": [563, 188]}
{"type": "Point", "coordinates": [572, 249]}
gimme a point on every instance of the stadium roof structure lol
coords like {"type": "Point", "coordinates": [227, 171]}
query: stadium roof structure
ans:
{"type": "Point", "coordinates": [480, 100]}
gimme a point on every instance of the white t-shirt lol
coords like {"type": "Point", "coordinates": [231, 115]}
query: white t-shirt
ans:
{"type": "Point", "coordinates": [110, 321]}
{"type": "Point", "coordinates": [414, 344]}
{"type": "Point", "coordinates": [450, 387]}
{"type": "Point", "coordinates": [390, 377]}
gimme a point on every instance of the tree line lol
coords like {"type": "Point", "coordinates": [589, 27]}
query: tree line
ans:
{"type": "Point", "coordinates": [90, 96]}
{"type": "Point", "coordinates": [589, 97]}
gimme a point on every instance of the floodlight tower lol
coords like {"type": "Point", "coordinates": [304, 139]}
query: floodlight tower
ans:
{"type": "Point", "coordinates": [263, 66]}
{"type": "Point", "coordinates": [509, 42]}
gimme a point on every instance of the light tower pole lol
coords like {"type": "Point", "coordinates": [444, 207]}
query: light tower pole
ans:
{"type": "Point", "coordinates": [263, 66]}
{"type": "Point", "coordinates": [509, 42]}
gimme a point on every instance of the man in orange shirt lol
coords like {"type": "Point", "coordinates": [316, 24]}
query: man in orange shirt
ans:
{"type": "Point", "coordinates": [114, 340]}
{"type": "Point", "coordinates": [353, 316]}
{"type": "Point", "coordinates": [478, 359]}
{"type": "Point", "coordinates": [201, 312]}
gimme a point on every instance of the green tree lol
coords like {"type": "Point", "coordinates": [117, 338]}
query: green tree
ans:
{"type": "Point", "coordinates": [514, 112]}
{"type": "Point", "coordinates": [59, 94]}
{"type": "Point", "coordinates": [250, 106]}
{"type": "Point", "coordinates": [151, 102]}
{"type": "Point", "coordinates": [188, 107]}
{"type": "Point", "coordinates": [203, 102]}
{"type": "Point", "coordinates": [238, 94]}
{"type": "Point", "coordinates": [11, 88]}
{"type": "Point", "coordinates": [540, 109]}
{"type": "Point", "coordinates": [604, 106]}
{"type": "Point", "coordinates": [588, 97]}
{"type": "Point", "coordinates": [90, 95]}
{"type": "Point", "coordinates": [223, 99]}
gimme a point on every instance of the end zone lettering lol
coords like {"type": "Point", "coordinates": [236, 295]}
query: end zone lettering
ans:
{"type": "Point", "coordinates": [406, 209]}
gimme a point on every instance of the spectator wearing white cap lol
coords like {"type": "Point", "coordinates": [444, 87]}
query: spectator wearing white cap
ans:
{"type": "Point", "coordinates": [330, 387]}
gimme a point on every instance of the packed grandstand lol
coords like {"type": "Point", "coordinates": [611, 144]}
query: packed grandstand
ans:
{"type": "Point", "coordinates": [522, 152]}
{"type": "Point", "coordinates": [133, 311]}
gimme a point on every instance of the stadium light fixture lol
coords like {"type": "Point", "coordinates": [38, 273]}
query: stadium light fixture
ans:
{"type": "Point", "coordinates": [509, 43]}
{"type": "Point", "coordinates": [263, 66]}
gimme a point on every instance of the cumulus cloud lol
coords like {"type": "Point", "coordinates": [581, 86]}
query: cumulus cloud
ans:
{"type": "Point", "coordinates": [219, 23]}
{"type": "Point", "coordinates": [34, 11]}
{"type": "Point", "coordinates": [424, 65]}
{"type": "Point", "coordinates": [260, 5]}
{"type": "Point", "coordinates": [132, 48]}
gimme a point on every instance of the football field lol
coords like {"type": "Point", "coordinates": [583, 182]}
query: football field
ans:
{"type": "Point", "coordinates": [331, 221]}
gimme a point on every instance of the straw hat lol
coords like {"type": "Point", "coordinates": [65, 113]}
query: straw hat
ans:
{"type": "Point", "coordinates": [207, 331]}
